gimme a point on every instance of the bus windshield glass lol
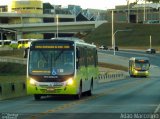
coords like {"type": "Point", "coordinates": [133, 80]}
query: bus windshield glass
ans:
{"type": "Point", "coordinates": [51, 61]}
{"type": "Point", "coordinates": [141, 65]}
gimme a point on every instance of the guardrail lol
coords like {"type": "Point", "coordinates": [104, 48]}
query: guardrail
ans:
{"type": "Point", "coordinates": [13, 60]}
{"type": "Point", "coordinates": [113, 76]}
{"type": "Point", "coordinates": [12, 89]}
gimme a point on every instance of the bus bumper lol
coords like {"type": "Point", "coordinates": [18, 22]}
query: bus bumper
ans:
{"type": "Point", "coordinates": [141, 73]}
{"type": "Point", "coordinates": [48, 88]}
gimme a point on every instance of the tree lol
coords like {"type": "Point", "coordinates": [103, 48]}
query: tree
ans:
{"type": "Point", "coordinates": [154, 1]}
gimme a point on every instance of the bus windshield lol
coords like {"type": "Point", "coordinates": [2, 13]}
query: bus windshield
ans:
{"type": "Point", "coordinates": [51, 62]}
{"type": "Point", "coordinates": [142, 66]}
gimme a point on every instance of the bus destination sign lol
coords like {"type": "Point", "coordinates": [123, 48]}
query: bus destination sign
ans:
{"type": "Point", "coordinates": [52, 46]}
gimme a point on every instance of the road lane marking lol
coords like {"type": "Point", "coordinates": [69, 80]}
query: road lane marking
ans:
{"type": "Point", "coordinates": [69, 105]}
{"type": "Point", "coordinates": [157, 109]}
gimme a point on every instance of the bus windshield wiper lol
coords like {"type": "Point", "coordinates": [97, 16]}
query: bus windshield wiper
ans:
{"type": "Point", "coordinates": [58, 55]}
{"type": "Point", "coordinates": [43, 56]}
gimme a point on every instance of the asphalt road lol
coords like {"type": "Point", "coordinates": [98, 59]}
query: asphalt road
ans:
{"type": "Point", "coordinates": [154, 58]}
{"type": "Point", "coordinates": [131, 98]}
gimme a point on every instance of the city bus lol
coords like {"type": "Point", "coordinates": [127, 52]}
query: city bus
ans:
{"type": "Point", "coordinates": [139, 66]}
{"type": "Point", "coordinates": [5, 42]}
{"type": "Point", "coordinates": [24, 43]}
{"type": "Point", "coordinates": [62, 66]}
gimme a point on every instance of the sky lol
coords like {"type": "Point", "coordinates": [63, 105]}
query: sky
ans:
{"type": "Point", "coordinates": [95, 4]}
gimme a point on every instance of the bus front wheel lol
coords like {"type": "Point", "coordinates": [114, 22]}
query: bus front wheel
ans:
{"type": "Point", "coordinates": [37, 97]}
{"type": "Point", "coordinates": [78, 96]}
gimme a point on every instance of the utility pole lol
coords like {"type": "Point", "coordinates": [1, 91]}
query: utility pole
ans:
{"type": "Point", "coordinates": [144, 11]}
{"type": "Point", "coordinates": [57, 20]}
{"type": "Point", "coordinates": [118, 30]}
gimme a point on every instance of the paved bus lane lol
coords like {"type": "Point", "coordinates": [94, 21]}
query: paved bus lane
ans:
{"type": "Point", "coordinates": [113, 100]}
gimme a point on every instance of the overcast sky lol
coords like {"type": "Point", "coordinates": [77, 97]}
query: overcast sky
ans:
{"type": "Point", "coordinates": [96, 4]}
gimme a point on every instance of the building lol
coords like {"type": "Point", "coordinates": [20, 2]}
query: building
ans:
{"type": "Point", "coordinates": [4, 8]}
{"type": "Point", "coordinates": [26, 7]}
{"type": "Point", "coordinates": [95, 14]}
{"type": "Point", "coordinates": [135, 13]}
{"type": "Point", "coordinates": [36, 12]}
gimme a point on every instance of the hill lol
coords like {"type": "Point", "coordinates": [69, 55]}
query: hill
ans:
{"type": "Point", "coordinates": [139, 36]}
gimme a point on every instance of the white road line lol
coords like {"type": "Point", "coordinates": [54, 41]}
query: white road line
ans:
{"type": "Point", "coordinates": [157, 109]}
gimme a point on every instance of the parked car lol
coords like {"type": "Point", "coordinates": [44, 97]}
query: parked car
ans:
{"type": "Point", "coordinates": [151, 22]}
{"type": "Point", "coordinates": [151, 51]}
{"type": "Point", "coordinates": [103, 47]}
{"type": "Point", "coordinates": [116, 48]}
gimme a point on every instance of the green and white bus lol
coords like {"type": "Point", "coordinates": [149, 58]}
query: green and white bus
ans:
{"type": "Point", "coordinates": [139, 66]}
{"type": "Point", "coordinates": [62, 66]}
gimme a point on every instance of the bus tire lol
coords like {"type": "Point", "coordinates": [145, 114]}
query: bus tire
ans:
{"type": "Point", "coordinates": [79, 95]}
{"type": "Point", "coordinates": [37, 96]}
{"type": "Point", "coordinates": [89, 93]}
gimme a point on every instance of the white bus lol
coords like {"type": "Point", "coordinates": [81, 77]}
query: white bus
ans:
{"type": "Point", "coordinates": [5, 42]}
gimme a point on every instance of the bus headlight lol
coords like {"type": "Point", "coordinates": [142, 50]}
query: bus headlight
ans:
{"type": "Point", "coordinates": [135, 71]}
{"type": "Point", "coordinates": [32, 81]}
{"type": "Point", "coordinates": [146, 72]}
{"type": "Point", "coordinates": [70, 81]}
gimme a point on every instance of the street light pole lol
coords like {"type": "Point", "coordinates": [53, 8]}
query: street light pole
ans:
{"type": "Point", "coordinates": [144, 17]}
{"type": "Point", "coordinates": [114, 37]}
{"type": "Point", "coordinates": [128, 11]}
{"type": "Point", "coordinates": [112, 29]}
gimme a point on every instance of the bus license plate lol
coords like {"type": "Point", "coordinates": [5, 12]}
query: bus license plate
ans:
{"type": "Point", "coordinates": [50, 89]}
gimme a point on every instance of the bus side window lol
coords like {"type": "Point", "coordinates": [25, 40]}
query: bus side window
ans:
{"type": "Point", "coordinates": [95, 58]}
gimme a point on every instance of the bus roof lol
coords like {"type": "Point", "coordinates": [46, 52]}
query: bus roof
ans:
{"type": "Point", "coordinates": [27, 39]}
{"type": "Point", "coordinates": [69, 39]}
{"type": "Point", "coordinates": [73, 39]}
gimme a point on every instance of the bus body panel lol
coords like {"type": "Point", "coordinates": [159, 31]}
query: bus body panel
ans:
{"type": "Point", "coordinates": [139, 73]}
{"type": "Point", "coordinates": [66, 89]}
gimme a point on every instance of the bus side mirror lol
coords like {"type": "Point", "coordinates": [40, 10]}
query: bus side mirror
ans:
{"type": "Point", "coordinates": [25, 53]}
{"type": "Point", "coordinates": [77, 63]}
{"type": "Point", "coordinates": [77, 54]}
{"type": "Point", "coordinates": [77, 58]}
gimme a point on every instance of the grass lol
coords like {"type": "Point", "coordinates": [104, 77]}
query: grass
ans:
{"type": "Point", "coordinates": [112, 66]}
{"type": "Point", "coordinates": [12, 69]}
{"type": "Point", "coordinates": [12, 53]}
{"type": "Point", "coordinates": [12, 72]}
{"type": "Point", "coordinates": [12, 78]}
{"type": "Point", "coordinates": [138, 37]}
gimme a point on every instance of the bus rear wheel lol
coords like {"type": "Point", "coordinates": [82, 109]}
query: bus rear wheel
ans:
{"type": "Point", "coordinates": [37, 96]}
{"type": "Point", "coordinates": [89, 93]}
